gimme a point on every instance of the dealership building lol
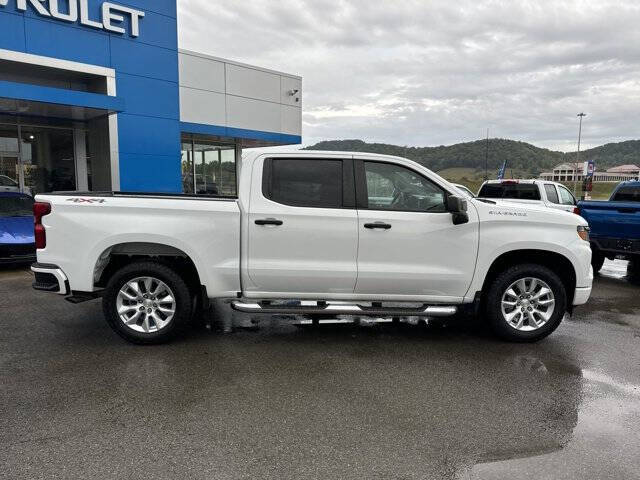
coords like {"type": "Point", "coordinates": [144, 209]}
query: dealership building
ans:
{"type": "Point", "coordinates": [96, 95]}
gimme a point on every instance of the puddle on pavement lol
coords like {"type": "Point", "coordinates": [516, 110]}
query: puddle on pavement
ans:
{"type": "Point", "coordinates": [603, 444]}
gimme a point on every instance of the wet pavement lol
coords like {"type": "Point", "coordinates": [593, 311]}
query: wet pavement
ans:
{"type": "Point", "coordinates": [328, 402]}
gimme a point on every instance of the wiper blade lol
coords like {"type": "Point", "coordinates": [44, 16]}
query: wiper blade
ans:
{"type": "Point", "coordinates": [486, 200]}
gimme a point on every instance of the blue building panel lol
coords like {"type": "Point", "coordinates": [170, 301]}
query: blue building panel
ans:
{"type": "Point", "coordinates": [148, 96]}
{"type": "Point", "coordinates": [12, 32]}
{"type": "Point", "coordinates": [65, 41]}
{"type": "Point", "coordinates": [128, 56]}
{"type": "Point", "coordinates": [162, 7]}
{"type": "Point", "coordinates": [150, 173]}
{"type": "Point", "coordinates": [158, 30]}
{"type": "Point", "coordinates": [154, 136]}
{"type": "Point", "coordinates": [60, 96]}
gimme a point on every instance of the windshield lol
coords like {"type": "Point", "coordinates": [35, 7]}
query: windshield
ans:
{"type": "Point", "coordinates": [16, 206]}
{"type": "Point", "coordinates": [518, 191]}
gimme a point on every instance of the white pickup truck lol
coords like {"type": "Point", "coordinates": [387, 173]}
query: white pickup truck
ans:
{"type": "Point", "coordinates": [530, 192]}
{"type": "Point", "coordinates": [314, 233]}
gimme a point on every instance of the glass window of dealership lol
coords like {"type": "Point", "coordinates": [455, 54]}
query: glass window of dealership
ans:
{"type": "Point", "coordinates": [97, 96]}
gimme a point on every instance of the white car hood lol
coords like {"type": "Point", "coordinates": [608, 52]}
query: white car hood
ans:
{"type": "Point", "coordinates": [540, 211]}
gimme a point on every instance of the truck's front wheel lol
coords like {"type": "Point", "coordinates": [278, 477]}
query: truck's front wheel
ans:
{"type": "Point", "coordinates": [146, 302]}
{"type": "Point", "coordinates": [525, 303]}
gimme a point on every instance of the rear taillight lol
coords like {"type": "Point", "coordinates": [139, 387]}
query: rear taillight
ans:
{"type": "Point", "coordinates": [576, 210]}
{"type": "Point", "coordinates": [40, 209]}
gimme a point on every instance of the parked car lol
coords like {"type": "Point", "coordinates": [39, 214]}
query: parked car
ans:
{"type": "Point", "coordinates": [536, 192]}
{"type": "Point", "coordinates": [8, 184]}
{"type": "Point", "coordinates": [16, 228]}
{"type": "Point", "coordinates": [615, 225]}
{"type": "Point", "coordinates": [305, 237]}
{"type": "Point", "coordinates": [464, 189]}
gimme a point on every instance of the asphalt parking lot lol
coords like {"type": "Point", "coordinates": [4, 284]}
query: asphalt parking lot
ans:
{"type": "Point", "coordinates": [328, 402]}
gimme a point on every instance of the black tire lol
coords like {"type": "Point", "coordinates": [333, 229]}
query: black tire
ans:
{"type": "Point", "coordinates": [633, 270]}
{"type": "Point", "coordinates": [181, 293]}
{"type": "Point", "coordinates": [597, 260]}
{"type": "Point", "coordinates": [493, 302]}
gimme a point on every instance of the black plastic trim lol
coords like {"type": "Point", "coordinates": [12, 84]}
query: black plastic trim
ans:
{"type": "Point", "coordinates": [362, 201]}
{"type": "Point", "coordinates": [348, 185]}
{"type": "Point", "coordinates": [80, 297]}
{"type": "Point", "coordinates": [47, 266]}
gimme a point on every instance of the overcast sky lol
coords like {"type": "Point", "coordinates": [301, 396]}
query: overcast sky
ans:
{"type": "Point", "coordinates": [425, 73]}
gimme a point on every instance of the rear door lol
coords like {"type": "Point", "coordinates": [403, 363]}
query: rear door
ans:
{"type": "Point", "coordinates": [409, 247]}
{"type": "Point", "coordinates": [302, 227]}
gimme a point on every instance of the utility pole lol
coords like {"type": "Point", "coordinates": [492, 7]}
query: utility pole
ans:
{"type": "Point", "coordinates": [575, 173]}
{"type": "Point", "coordinates": [486, 159]}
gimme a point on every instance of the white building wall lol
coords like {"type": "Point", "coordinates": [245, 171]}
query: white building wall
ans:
{"type": "Point", "coordinates": [215, 91]}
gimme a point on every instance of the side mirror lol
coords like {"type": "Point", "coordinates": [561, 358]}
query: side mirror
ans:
{"type": "Point", "coordinates": [458, 208]}
{"type": "Point", "coordinates": [456, 204]}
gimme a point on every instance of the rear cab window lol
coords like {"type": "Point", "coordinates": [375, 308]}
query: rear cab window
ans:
{"type": "Point", "coordinates": [627, 194]}
{"type": "Point", "coordinates": [515, 191]}
{"type": "Point", "coordinates": [316, 183]}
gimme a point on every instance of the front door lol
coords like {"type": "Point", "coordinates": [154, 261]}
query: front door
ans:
{"type": "Point", "coordinates": [409, 247]}
{"type": "Point", "coordinates": [567, 200]}
{"type": "Point", "coordinates": [302, 228]}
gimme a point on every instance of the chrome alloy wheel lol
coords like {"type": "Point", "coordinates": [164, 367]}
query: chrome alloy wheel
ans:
{"type": "Point", "coordinates": [527, 304]}
{"type": "Point", "coordinates": [145, 304]}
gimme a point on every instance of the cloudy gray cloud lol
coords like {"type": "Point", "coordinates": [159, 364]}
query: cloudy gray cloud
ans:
{"type": "Point", "coordinates": [418, 72]}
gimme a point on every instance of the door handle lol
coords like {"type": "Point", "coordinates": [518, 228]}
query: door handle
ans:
{"type": "Point", "coordinates": [268, 221]}
{"type": "Point", "coordinates": [381, 225]}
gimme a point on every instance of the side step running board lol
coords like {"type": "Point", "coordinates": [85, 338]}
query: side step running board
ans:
{"type": "Point", "coordinates": [344, 309]}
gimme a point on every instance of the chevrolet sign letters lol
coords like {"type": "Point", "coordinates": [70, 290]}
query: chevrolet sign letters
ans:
{"type": "Point", "coordinates": [113, 15]}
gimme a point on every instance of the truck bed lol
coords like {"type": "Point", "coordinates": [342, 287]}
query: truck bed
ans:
{"type": "Point", "coordinates": [85, 226]}
{"type": "Point", "coordinates": [612, 219]}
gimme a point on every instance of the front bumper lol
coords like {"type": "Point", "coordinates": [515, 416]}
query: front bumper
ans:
{"type": "Point", "coordinates": [581, 295]}
{"type": "Point", "coordinates": [50, 278]}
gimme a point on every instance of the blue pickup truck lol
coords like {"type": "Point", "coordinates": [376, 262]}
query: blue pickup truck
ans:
{"type": "Point", "coordinates": [615, 225]}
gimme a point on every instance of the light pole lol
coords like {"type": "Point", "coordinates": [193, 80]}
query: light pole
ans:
{"type": "Point", "coordinates": [486, 159]}
{"type": "Point", "coordinates": [575, 173]}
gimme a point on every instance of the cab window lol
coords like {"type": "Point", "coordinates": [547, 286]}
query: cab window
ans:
{"type": "Point", "coordinates": [394, 187]}
{"type": "Point", "coordinates": [552, 194]}
{"type": "Point", "coordinates": [566, 197]}
{"type": "Point", "coordinates": [515, 191]}
{"type": "Point", "coordinates": [304, 182]}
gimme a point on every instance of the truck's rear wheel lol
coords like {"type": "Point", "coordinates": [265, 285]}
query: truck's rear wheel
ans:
{"type": "Point", "coordinates": [525, 303]}
{"type": "Point", "coordinates": [147, 302]}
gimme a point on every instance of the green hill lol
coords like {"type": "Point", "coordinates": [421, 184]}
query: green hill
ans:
{"type": "Point", "coordinates": [522, 158]}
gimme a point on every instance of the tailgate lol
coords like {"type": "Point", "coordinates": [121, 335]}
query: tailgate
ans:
{"type": "Point", "coordinates": [612, 219]}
